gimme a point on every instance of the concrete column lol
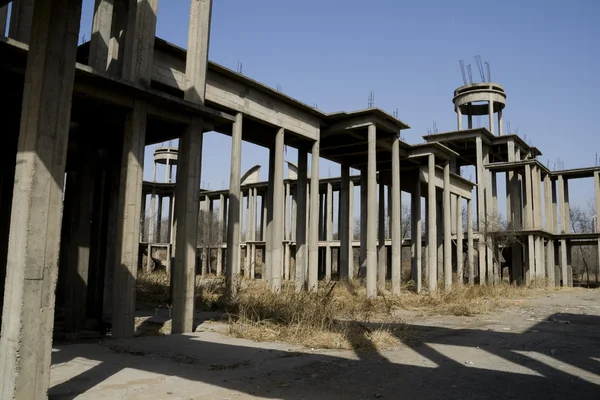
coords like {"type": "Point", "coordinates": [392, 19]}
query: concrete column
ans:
{"type": "Point", "coordinates": [3, 20]}
{"type": "Point", "coordinates": [287, 222]}
{"type": "Point", "coordinates": [479, 169]}
{"type": "Point", "coordinates": [138, 50]}
{"type": "Point", "coordinates": [395, 208]}
{"type": "Point", "coordinates": [415, 236]}
{"type": "Point", "coordinates": [187, 189]}
{"type": "Point", "coordinates": [509, 175]}
{"type": "Point", "coordinates": [351, 273]}
{"type": "Point", "coordinates": [381, 250]}
{"type": "Point", "coordinates": [34, 241]}
{"type": "Point", "coordinates": [301, 252]}
{"type": "Point", "coordinates": [563, 263]}
{"type": "Point", "coordinates": [567, 208]}
{"type": "Point", "coordinates": [219, 269]}
{"type": "Point", "coordinates": [268, 262]}
{"type": "Point", "coordinates": [491, 115]}
{"type": "Point", "coordinates": [459, 242]}
{"type": "Point", "coordinates": [528, 199]}
{"type": "Point", "coordinates": [159, 220]}
{"type": "Point", "coordinates": [459, 118]}
{"type": "Point", "coordinates": [494, 192]}
{"type": "Point", "coordinates": [597, 226]}
{"type": "Point", "coordinates": [371, 231]}
{"type": "Point", "coordinates": [328, 231]}
{"type": "Point", "coordinates": [344, 231]}
{"type": "Point", "coordinates": [21, 17]}
{"type": "Point", "coordinates": [432, 258]}
{"type": "Point", "coordinates": [490, 220]}
{"type": "Point", "coordinates": [500, 122]}
{"type": "Point", "coordinates": [470, 252]}
{"type": "Point", "coordinates": [531, 256]}
{"type": "Point", "coordinates": [364, 183]}
{"type": "Point", "coordinates": [151, 218]}
{"type": "Point", "coordinates": [447, 230]}
{"type": "Point", "coordinates": [313, 230]}
{"type": "Point", "coordinates": [233, 216]}
{"type": "Point", "coordinates": [277, 193]}
{"type": "Point", "coordinates": [101, 34]}
{"type": "Point", "coordinates": [564, 228]}
{"type": "Point", "coordinates": [470, 121]}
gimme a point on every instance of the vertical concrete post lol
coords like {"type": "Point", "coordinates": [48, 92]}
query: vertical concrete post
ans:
{"type": "Point", "coordinates": [481, 209]}
{"type": "Point", "coordinates": [563, 263]}
{"type": "Point", "coordinates": [432, 259]}
{"type": "Point", "coordinates": [371, 215]}
{"type": "Point", "coordinates": [490, 220]}
{"type": "Point", "coordinates": [597, 226]}
{"type": "Point", "coordinates": [528, 199]}
{"type": "Point", "coordinates": [233, 215]}
{"type": "Point", "coordinates": [491, 115]}
{"type": "Point", "coordinates": [301, 253]}
{"type": "Point", "coordinates": [459, 242]}
{"type": "Point", "coordinates": [459, 118]}
{"type": "Point", "coordinates": [470, 252]}
{"type": "Point", "coordinates": [351, 273]}
{"type": "Point", "coordinates": [139, 46]}
{"type": "Point", "coordinates": [567, 208]}
{"type": "Point", "coordinates": [277, 193]}
{"type": "Point", "coordinates": [187, 189]}
{"type": "Point", "coordinates": [101, 32]}
{"type": "Point", "coordinates": [219, 270]}
{"type": "Point", "coordinates": [509, 176]}
{"type": "Point", "coordinates": [564, 228]}
{"type": "Point", "coordinates": [313, 230]}
{"type": "Point", "coordinates": [34, 241]}
{"type": "Point", "coordinates": [344, 232]}
{"type": "Point", "coordinates": [3, 20]}
{"type": "Point", "coordinates": [328, 230]}
{"type": "Point", "coordinates": [447, 230]}
{"type": "Point", "coordinates": [381, 250]}
{"type": "Point", "coordinates": [500, 122]}
{"type": "Point", "coordinates": [364, 179]}
{"type": "Point", "coordinates": [531, 255]}
{"type": "Point", "coordinates": [268, 261]}
{"type": "Point", "coordinates": [395, 208]}
{"type": "Point", "coordinates": [415, 235]}
{"type": "Point", "coordinates": [21, 17]}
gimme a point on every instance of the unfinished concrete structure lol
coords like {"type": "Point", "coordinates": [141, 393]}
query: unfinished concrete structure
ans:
{"type": "Point", "coordinates": [70, 246]}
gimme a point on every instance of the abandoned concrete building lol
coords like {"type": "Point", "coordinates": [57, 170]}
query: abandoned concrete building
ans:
{"type": "Point", "coordinates": [72, 192]}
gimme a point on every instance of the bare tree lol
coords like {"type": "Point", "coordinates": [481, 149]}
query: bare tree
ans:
{"type": "Point", "coordinates": [582, 222]}
{"type": "Point", "coordinates": [210, 236]}
{"type": "Point", "coordinates": [497, 235]}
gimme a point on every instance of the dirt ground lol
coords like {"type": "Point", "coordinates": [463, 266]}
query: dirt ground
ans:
{"type": "Point", "coordinates": [543, 347]}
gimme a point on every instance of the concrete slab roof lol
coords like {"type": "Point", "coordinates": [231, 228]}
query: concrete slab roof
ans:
{"type": "Point", "coordinates": [576, 173]}
{"type": "Point", "coordinates": [435, 148]}
{"type": "Point", "coordinates": [514, 165]}
{"type": "Point", "coordinates": [336, 116]}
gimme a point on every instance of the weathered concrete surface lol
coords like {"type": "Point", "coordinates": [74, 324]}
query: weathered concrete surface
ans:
{"type": "Point", "coordinates": [542, 348]}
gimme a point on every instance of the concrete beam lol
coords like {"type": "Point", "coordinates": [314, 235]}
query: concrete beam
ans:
{"type": "Point", "coordinates": [301, 190]}
{"type": "Point", "coordinates": [395, 208]}
{"type": "Point", "coordinates": [189, 164]}
{"type": "Point", "coordinates": [313, 230]}
{"type": "Point", "coordinates": [34, 243]}
{"type": "Point", "coordinates": [233, 215]}
{"type": "Point", "coordinates": [371, 228]}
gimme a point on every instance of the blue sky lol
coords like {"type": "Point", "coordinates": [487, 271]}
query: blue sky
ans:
{"type": "Point", "coordinates": [333, 53]}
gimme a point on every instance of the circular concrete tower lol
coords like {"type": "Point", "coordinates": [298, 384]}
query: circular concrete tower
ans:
{"type": "Point", "coordinates": [484, 98]}
{"type": "Point", "coordinates": [166, 156]}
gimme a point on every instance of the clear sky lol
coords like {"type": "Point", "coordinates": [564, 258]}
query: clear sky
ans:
{"type": "Point", "coordinates": [333, 53]}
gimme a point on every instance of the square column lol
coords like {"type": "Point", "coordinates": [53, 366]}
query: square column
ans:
{"type": "Point", "coordinates": [528, 199]}
{"type": "Point", "coordinates": [470, 249]}
{"type": "Point", "coordinates": [328, 231]}
{"type": "Point", "coordinates": [277, 222]}
{"type": "Point", "coordinates": [313, 234]}
{"type": "Point", "coordinates": [3, 20]}
{"type": "Point", "coordinates": [415, 236]}
{"type": "Point", "coordinates": [301, 250]}
{"type": "Point", "coordinates": [395, 208]}
{"type": "Point", "coordinates": [21, 19]}
{"type": "Point", "coordinates": [234, 199]}
{"type": "Point", "coordinates": [431, 229]}
{"type": "Point", "coordinates": [364, 180]}
{"type": "Point", "coordinates": [563, 263]}
{"type": "Point", "coordinates": [447, 230]}
{"type": "Point", "coordinates": [351, 273]}
{"type": "Point", "coordinates": [597, 225]}
{"type": "Point", "coordinates": [459, 242]}
{"type": "Point", "coordinates": [344, 221]}
{"type": "Point", "coordinates": [34, 241]}
{"type": "Point", "coordinates": [371, 231]}
{"type": "Point", "coordinates": [187, 189]}
{"type": "Point", "coordinates": [381, 250]}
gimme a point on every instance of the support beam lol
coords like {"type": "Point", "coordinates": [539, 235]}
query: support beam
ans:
{"type": "Point", "coordinates": [328, 231]}
{"type": "Point", "coordinates": [432, 259]}
{"type": "Point", "coordinates": [34, 242]}
{"type": "Point", "coordinates": [416, 232]}
{"type": "Point", "coordinates": [21, 17]}
{"type": "Point", "coordinates": [277, 193]}
{"type": "Point", "coordinates": [313, 234]}
{"type": "Point", "coordinates": [381, 250]}
{"type": "Point", "coordinates": [187, 189]}
{"type": "Point", "coordinates": [233, 215]}
{"type": "Point", "coordinates": [344, 231]}
{"type": "Point", "coordinates": [371, 231]}
{"type": "Point", "coordinates": [301, 253]}
{"type": "Point", "coordinates": [395, 208]}
{"type": "Point", "coordinates": [459, 243]}
{"type": "Point", "coordinates": [447, 230]}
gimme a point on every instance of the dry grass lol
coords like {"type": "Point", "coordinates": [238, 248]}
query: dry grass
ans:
{"type": "Point", "coordinates": [337, 316]}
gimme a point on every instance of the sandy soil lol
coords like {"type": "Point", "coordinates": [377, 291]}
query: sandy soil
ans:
{"type": "Point", "coordinates": [544, 347]}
